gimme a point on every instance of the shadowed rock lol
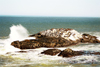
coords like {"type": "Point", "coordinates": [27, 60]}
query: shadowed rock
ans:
{"type": "Point", "coordinates": [26, 44]}
{"type": "Point", "coordinates": [70, 53]}
{"type": "Point", "coordinates": [86, 38]}
{"type": "Point", "coordinates": [51, 52]}
{"type": "Point", "coordinates": [96, 53]}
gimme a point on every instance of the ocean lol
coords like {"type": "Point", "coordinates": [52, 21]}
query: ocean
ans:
{"type": "Point", "coordinates": [12, 28]}
{"type": "Point", "coordinates": [37, 24]}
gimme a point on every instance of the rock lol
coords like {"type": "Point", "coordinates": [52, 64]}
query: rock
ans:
{"type": "Point", "coordinates": [43, 41]}
{"type": "Point", "coordinates": [96, 53]}
{"type": "Point", "coordinates": [51, 52]}
{"type": "Point", "coordinates": [21, 51]}
{"type": "Point", "coordinates": [68, 34]}
{"type": "Point", "coordinates": [86, 38]}
{"type": "Point", "coordinates": [70, 53]}
{"type": "Point", "coordinates": [26, 44]}
{"type": "Point", "coordinates": [55, 38]}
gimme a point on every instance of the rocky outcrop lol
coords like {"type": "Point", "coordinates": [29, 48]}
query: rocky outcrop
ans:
{"type": "Point", "coordinates": [55, 38]}
{"type": "Point", "coordinates": [26, 44]}
{"type": "Point", "coordinates": [51, 52]}
{"type": "Point", "coordinates": [86, 38]}
{"type": "Point", "coordinates": [68, 52]}
{"type": "Point", "coordinates": [68, 34]}
{"type": "Point", "coordinates": [65, 53]}
{"type": "Point", "coordinates": [43, 41]}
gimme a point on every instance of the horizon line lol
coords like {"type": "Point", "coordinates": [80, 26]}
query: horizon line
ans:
{"type": "Point", "coordinates": [43, 16]}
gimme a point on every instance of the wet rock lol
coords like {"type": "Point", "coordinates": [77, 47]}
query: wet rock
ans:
{"type": "Point", "coordinates": [26, 44]}
{"type": "Point", "coordinates": [86, 38]}
{"type": "Point", "coordinates": [70, 53]}
{"type": "Point", "coordinates": [55, 38]}
{"type": "Point", "coordinates": [43, 41]}
{"type": "Point", "coordinates": [50, 38]}
{"type": "Point", "coordinates": [95, 53]}
{"type": "Point", "coordinates": [51, 52]}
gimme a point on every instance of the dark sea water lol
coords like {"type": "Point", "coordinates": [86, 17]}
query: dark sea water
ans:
{"type": "Point", "coordinates": [17, 27]}
{"type": "Point", "coordinates": [36, 24]}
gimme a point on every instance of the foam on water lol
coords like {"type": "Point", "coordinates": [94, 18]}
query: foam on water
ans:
{"type": "Point", "coordinates": [34, 56]}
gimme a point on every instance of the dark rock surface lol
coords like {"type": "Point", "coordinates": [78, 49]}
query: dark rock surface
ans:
{"type": "Point", "coordinates": [95, 53]}
{"type": "Point", "coordinates": [70, 53]}
{"type": "Point", "coordinates": [51, 52]}
{"type": "Point", "coordinates": [43, 41]}
{"type": "Point", "coordinates": [26, 44]}
{"type": "Point", "coordinates": [86, 38]}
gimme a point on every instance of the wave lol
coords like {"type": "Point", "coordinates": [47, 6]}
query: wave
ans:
{"type": "Point", "coordinates": [17, 32]}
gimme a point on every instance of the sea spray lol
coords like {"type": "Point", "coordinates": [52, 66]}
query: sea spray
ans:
{"type": "Point", "coordinates": [17, 32]}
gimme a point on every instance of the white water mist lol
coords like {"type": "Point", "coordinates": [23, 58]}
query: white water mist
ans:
{"type": "Point", "coordinates": [17, 32]}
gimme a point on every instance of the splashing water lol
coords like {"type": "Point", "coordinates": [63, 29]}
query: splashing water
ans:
{"type": "Point", "coordinates": [17, 32]}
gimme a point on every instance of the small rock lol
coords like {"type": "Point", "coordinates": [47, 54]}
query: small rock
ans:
{"type": "Point", "coordinates": [21, 51]}
{"type": "Point", "coordinates": [70, 53]}
{"type": "Point", "coordinates": [51, 52]}
{"type": "Point", "coordinates": [86, 38]}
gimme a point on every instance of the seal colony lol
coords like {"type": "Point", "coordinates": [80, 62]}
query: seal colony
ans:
{"type": "Point", "coordinates": [57, 38]}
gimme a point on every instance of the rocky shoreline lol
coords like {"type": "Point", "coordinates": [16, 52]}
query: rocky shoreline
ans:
{"type": "Point", "coordinates": [56, 38]}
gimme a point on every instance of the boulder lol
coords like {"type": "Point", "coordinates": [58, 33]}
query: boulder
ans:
{"type": "Point", "coordinates": [55, 38]}
{"type": "Point", "coordinates": [51, 52]}
{"type": "Point", "coordinates": [43, 41]}
{"type": "Point", "coordinates": [86, 38]}
{"type": "Point", "coordinates": [70, 53]}
{"type": "Point", "coordinates": [26, 44]}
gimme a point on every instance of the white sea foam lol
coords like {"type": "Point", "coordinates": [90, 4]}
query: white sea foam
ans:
{"type": "Point", "coordinates": [17, 32]}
